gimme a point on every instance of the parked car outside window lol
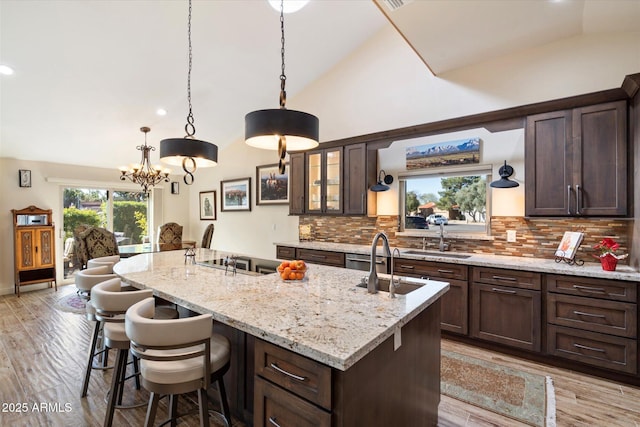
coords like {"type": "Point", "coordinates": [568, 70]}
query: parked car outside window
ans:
{"type": "Point", "coordinates": [415, 222]}
{"type": "Point", "coordinates": [437, 219]}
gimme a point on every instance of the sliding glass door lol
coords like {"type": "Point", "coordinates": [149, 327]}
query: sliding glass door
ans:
{"type": "Point", "coordinates": [125, 213]}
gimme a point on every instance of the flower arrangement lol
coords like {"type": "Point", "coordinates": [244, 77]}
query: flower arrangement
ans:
{"type": "Point", "coordinates": [608, 246]}
{"type": "Point", "coordinates": [607, 257]}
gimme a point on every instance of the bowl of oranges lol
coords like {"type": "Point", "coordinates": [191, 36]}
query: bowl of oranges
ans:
{"type": "Point", "coordinates": [292, 270]}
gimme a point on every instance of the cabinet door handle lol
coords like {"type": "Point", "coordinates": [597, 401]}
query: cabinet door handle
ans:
{"type": "Point", "coordinates": [590, 289]}
{"type": "Point", "coordinates": [272, 421]}
{"type": "Point", "coordinates": [509, 279]}
{"type": "Point", "coordinates": [408, 267]}
{"type": "Point", "coordinates": [582, 313]}
{"type": "Point", "coordinates": [36, 249]}
{"type": "Point", "coordinates": [289, 374]}
{"type": "Point", "coordinates": [503, 291]}
{"type": "Point", "coordinates": [578, 199]}
{"type": "Point", "coordinates": [313, 256]}
{"type": "Point", "coordinates": [446, 271]}
{"type": "Point", "coordinates": [568, 200]}
{"type": "Point", "coordinates": [584, 347]}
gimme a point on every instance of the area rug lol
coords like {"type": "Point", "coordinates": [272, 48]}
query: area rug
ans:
{"type": "Point", "coordinates": [71, 303]}
{"type": "Point", "coordinates": [526, 397]}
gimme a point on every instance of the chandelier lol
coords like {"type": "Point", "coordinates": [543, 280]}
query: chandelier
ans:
{"type": "Point", "coordinates": [144, 173]}
{"type": "Point", "coordinates": [280, 128]}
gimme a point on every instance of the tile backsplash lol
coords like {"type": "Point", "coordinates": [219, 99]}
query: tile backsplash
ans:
{"type": "Point", "coordinates": [535, 237]}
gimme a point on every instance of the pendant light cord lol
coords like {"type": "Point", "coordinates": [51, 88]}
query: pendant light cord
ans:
{"type": "Point", "coordinates": [190, 128]}
{"type": "Point", "coordinates": [283, 78]}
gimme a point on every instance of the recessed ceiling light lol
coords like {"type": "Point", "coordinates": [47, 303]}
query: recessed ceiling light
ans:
{"type": "Point", "coordinates": [6, 70]}
{"type": "Point", "coordinates": [290, 6]}
{"type": "Point", "coordinates": [161, 112]}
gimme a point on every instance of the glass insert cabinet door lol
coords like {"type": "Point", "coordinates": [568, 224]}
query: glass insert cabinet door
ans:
{"type": "Point", "coordinates": [324, 179]}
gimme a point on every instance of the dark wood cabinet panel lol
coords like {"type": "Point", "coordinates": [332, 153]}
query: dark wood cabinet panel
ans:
{"type": "Point", "coordinates": [324, 181]}
{"type": "Point", "coordinates": [314, 256]}
{"type": "Point", "coordinates": [506, 315]}
{"type": "Point", "coordinates": [297, 374]}
{"type": "Point", "coordinates": [576, 162]}
{"type": "Point", "coordinates": [359, 174]}
{"type": "Point", "coordinates": [285, 252]}
{"type": "Point", "coordinates": [277, 407]}
{"type": "Point", "coordinates": [512, 278]}
{"type": "Point", "coordinates": [615, 290]}
{"type": "Point", "coordinates": [609, 317]}
{"type": "Point", "coordinates": [454, 308]}
{"type": "Point", "coordinates": [430, 269]}
{"type": "Point", "coordinates": [296, 183]}
{"type": "Point", "coordinates": [592, 348]}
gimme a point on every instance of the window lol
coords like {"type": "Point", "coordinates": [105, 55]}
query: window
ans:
{"type": "Point", "coordinates": [457, 200]}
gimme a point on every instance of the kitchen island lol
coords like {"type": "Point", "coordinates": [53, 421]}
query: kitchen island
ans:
{"type": "Point", "coordinates": [371, 360]}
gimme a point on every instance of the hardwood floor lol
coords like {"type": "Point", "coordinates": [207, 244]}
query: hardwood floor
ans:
{"type": "Point", "coordinates": [43, 353]}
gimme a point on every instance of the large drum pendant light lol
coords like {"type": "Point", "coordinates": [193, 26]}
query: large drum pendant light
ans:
{"type": "Point", "coordinates": [189, 152]}
{"type": "Point", "coordinates": [281, 129]}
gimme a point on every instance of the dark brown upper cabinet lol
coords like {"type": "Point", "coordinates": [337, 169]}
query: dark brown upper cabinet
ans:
{"type": "Point", "coordinates": [576, 162]}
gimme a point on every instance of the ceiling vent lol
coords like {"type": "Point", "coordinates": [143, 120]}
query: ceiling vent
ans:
{"type": "Point", "coordinates": [394, 5]}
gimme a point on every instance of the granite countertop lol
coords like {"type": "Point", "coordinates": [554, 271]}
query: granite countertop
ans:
{"type": "Point", "coordinates": [324, 317]}
{"type": "Point", "coordinates": [623, 272]}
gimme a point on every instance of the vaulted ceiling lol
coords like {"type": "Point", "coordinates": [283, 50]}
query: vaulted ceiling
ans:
{"type": "Point", "coordinates": [89, 74]}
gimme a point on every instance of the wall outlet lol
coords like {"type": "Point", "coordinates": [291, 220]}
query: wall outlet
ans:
{"type": "Point", "coordinates": [511, 236]}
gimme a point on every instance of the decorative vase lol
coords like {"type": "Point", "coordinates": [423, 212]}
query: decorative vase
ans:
{"type": "Point", "coordinates": [609, 262]}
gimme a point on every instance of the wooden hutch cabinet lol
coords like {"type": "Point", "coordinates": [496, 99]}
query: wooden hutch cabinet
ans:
{"type": "Point", "coordinates": [34, 247]}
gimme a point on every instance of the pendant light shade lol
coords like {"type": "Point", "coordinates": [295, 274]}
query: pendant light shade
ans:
{"type": "Point", "coordinates": [504, 182]}
{"type": "Point", "coordinates": [188, 152]}
{"type": "Point", "coordinates": [263, 128]}
{"type": "Point", "coordinates": [281, 129]}
{"type": "Point", "coordinates": [173, 151]}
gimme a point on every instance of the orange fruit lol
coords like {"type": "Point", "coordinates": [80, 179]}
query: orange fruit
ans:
{"type": "Point", "coordinates": [292, 275]}
{"type": "Point", "coordinates": [299, 276]}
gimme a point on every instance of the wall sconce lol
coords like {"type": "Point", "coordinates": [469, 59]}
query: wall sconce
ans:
{"type": "Point", "coordinates": [505, 172]}
{"type": "Point", "coordinates": [382, 177]}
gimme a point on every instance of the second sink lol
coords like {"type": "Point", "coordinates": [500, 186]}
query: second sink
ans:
{"type": "Point", "coordinates": [401, 289]}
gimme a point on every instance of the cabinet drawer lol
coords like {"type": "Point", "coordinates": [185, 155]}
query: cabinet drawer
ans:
{"type": "Point", "coordinates": [604, 351]}
{"type": "Point", "coordinates": [429, 269]}
{"type": "Point", "coordinates": [276, 407]}
{"type": "Point", "coordinates": [335, 259]}
{"type": "Point", "coordinates": [513, 278]}
{"type": "Point", "coordinates": [616, 290]}
{"type": "Point", "coordinates": [298, 374]}
{"type": "Point", "coordinates": [285, 252]}
{"type": "Point", "coordinates": [590, 314]}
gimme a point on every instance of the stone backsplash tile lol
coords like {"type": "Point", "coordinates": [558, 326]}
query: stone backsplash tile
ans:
{"type": "Point", "coordinates": [535, 237]}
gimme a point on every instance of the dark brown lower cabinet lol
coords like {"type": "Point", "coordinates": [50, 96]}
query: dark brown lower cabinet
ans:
{"type": "Point", "coordinates": [506, 315]}
{"type": "Point", "coordinates": [387, 387]}
{"type": "Point", "coordinates": [601, 350]}
{"type": "Point", "coordinates": [454, 307]}
{"type": "Point", "coordinates": [275, 406]}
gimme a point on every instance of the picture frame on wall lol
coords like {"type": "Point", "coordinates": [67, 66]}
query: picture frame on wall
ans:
{"type": "Point", "coordinates": [175, 187]}
{"type": "Point", "coordinates": [24, 178]}
{"type": "Point", "coordinates": [272, 187]}
{"type": "Point", "coordinates": [208, 205]}
{"type": "Point", "coordinates": [235, 195]}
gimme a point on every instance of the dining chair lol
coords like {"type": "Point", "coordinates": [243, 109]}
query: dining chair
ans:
{"type": "Point", "coordinates": [170, 232]}
{"type": "Point", "coordinates": [207, 237]}
{"type": "Point", "coordinates": [176, 357]}
{"type": "Point", "coordinates": [108, 261]}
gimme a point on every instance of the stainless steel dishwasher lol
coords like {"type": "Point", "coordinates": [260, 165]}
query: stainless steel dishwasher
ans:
{"type": "Point", "coordinates": [362, 262]}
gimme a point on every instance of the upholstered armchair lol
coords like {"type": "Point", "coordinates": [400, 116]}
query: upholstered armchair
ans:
{"type": "Point", "coordinates": [94, 242]}
{"type": "Point", "coordinates": [170, 233]}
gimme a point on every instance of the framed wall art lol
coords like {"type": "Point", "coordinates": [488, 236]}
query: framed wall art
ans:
{"type": "Point", "coordinates": [235, 195]}
{"type": "Point", "coordinates": [448, 153]}
{"type": "Point", "coordinates": [208, 205]}
{"type": "Point", "coordinates": [272, 187]}
{"type": "Point", "coordinates": [24, 178]}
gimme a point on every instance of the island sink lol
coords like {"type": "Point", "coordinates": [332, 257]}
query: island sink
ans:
{"type": "Point", "coordinates": [440, 254]}
{"type": "Point", "coordinates": [402, 288]}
